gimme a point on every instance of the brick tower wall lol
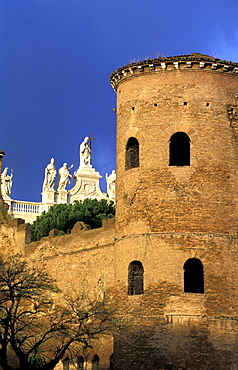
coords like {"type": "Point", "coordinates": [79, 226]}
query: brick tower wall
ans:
{"type": "Point", "coordinates": [169, 214]}
{"type": "Point", "coordinates": [151, 107]}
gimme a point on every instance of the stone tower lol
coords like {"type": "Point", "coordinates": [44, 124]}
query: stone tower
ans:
{"type": "Point", "coordinates": [177, 213]}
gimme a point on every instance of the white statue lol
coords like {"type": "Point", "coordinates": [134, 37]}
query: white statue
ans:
{"type": "Point", "coordinates": [50, 174]}
{"type": "Point", "coordinates": [64, 176]}
{"type": "Point", "coordinates": [111, 184]}
{"type": "Point", "coordinates": [6, 183]}
{"type": "Point", "coordinates": [85, 153]}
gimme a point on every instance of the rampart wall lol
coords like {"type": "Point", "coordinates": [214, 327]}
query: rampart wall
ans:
{"type": "Point", "coordinates": [82, 261]}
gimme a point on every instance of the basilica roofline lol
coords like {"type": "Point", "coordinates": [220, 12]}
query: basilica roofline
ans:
{"type": "Point", "coordinates": [193, 61]}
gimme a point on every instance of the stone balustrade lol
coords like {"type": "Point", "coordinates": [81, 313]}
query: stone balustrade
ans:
{"type": "Point", "coordinates": [25, 207]}
{"type": "Point", "coordinates": [28, 211]}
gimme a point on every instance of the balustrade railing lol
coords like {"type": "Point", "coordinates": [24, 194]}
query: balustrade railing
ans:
{"type": "Point", "coordinates": [18, 206]}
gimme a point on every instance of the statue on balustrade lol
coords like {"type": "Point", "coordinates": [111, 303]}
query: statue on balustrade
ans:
{"type": "Point", "coordinates": [50, 174]}
{"type": "Point", "coordinates": [111, 184]}
{"type": "Point", "coordinates": [64, 177]}
{"type": "Point", "coordinates": [6, 183]}
{"type": "Point", "coordinates": [85, 153]}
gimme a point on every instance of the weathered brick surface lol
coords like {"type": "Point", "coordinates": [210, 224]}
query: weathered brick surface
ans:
{"type": "Point", "coordinates": [171, 316]}
{"type": "Point", "coordinates": [14, 235]}
{"type": "Point", "coordinates": [82, 261]}
{"type": "Point", "coordinates": [168, 198]}
{"type": "Point", "coordinates": [168, 214]}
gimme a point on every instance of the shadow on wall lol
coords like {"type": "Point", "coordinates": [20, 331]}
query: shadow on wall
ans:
{"type": "Point", "coordinates": [187, 346]}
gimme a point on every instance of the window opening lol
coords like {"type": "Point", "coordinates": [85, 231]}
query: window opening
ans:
{"type": "Point", "coordinates": [179, 149]}
{"type": "Point", "coordinates": [193, 276]}
{"type": "Point", "coordinates": [95, 362]}
{"type": "Point", "coordinates": [111, 362]}
{"type": "Point", "coordinates": [80, 363]}
{"type": "Point", "coordinates": [135, 278]}
{"type": "Point", "coordinates": [132, 153]}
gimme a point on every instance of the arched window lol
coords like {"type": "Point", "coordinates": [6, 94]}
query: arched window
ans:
{"type": "Point", "coordinates": [80, 363]}
{"type": "Point", "coordinates": [135, 278]}
{"type": "Point", "coordinates": [193, 276]}
{"type": "Point", "coordinates": [95, 362]}
{"type": "Point", "coordinates": [179, 149]}
{"type": "Point", "coordinates": [132, 153]}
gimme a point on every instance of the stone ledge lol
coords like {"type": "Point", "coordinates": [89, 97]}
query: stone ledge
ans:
{"type": "Point", "coordinates": [189, 62]}
{"type": "Point", "coordinates": [189, 304]}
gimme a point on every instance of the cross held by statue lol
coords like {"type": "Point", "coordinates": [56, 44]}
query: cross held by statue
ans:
{"type": "Point", "coordinates": [90, 138]}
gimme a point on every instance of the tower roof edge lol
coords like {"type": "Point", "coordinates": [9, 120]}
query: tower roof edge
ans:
{"type": "Point", "coordinates": [189, 59]}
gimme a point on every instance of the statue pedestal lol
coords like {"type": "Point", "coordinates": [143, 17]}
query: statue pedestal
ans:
{"type": "Point", "coordinates": [48, 196]}
{"type": "Point", "coordinates": [62, 196]}
{"type": "Point", "coordinates": [111, 185]}
{"type": "Point", "coordinates": [86, 185]}
{"type": "Point", "coordinates": [48, 199]}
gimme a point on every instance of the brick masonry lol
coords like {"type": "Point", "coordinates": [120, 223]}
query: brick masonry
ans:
{"type": "Point", "coordinates": [169, 214]}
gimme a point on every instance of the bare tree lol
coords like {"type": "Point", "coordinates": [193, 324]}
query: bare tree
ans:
{"type": "Point", "coordinates": [35, 329]}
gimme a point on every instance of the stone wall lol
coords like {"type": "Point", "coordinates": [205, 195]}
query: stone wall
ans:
{"type": "Point", "coordinates": [14, 235]}
{"type": "Point", "coordinates": [166, 326]}
{"type": "Point", "coordinates": [203, 196]}
{"type": "Point", "coordinates": [80, 261]}
{"type": "Point", "coordinates": [172, 215]}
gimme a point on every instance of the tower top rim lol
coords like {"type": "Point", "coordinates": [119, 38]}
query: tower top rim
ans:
{"type": "Point", "coordinates": [201, 61]}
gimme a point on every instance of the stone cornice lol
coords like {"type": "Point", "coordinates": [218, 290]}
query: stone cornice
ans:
{"type": "Point", "coordinates": [179, 234]}
{"type": "Point", "coordinates": [189, 62]}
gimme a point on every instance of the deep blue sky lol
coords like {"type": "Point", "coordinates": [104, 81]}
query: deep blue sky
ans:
{"type": "Point", "coordinates": [55, 60]}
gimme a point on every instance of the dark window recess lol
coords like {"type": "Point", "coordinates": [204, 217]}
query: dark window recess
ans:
{"type": "Point", "coordinates": [80, 362]}
{"type": "Point", "coordinates": [111, 362]}
{"type": "Point", "coordinates": [168, 366]}
{"type": "Point", "coordinates": [135, 278]}
{"type": "Point", "coordinates": [193, 276]}
{"type": "Point", "coordinates": [132, 153]}
{"type": "Point", "coordinates": [95, 362]}
{"type": "Point", "coordinates": [179, 149]}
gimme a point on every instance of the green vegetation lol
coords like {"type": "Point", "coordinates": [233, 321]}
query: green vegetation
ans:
{"type": "Point", "coordinates": [64, 216]}
{"type": "Point", "coordinates": [4, 216]}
